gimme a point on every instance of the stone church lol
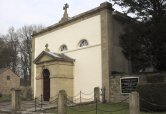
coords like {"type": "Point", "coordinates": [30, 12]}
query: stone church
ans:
{"type": "Point", "coordinates": [78, 53]}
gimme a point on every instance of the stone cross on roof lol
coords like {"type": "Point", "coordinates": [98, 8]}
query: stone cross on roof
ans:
{"type": "Point", "coordinates": [65, 6]}
{"type": "Point", "coordinates": [65, 15]}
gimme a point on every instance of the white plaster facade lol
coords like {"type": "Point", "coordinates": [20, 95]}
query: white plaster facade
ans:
{"type": "Point", "coordinates": [87, 66]}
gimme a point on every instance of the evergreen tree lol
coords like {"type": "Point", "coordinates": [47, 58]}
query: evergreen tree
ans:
{"type": "Point", "coordinates": [144, 41]}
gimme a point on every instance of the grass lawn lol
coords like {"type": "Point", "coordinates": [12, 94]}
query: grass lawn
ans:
{"type": "Point", "coordinates": [102, 109]}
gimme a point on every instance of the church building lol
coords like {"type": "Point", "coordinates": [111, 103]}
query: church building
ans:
{"type": "Point", "coordinates": [78, 53]}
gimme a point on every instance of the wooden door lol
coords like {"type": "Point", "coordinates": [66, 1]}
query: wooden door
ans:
{"type": "Point", "coordinates": [46, 85]}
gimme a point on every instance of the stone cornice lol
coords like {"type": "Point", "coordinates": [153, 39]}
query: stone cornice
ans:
{"type": "Point", "coordinates": [59, 77]}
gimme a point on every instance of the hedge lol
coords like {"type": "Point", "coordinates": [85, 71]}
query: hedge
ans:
{"type": "Point", "coordinates": [152, 97]}
{"type": "Point", "coordinates": [155, 78]}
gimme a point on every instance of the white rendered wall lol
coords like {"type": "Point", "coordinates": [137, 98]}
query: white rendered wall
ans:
{"type": "Point", "coordinates": [87, 68]}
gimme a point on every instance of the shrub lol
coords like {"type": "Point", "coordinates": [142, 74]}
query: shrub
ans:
{"type": "Point", "coordinates": [155, 78]}
{"type": "Point", "coordinates": [152, 97]}
{"type": "Point", "coordinates": [0, 94]}
{"type": "Point", "coordinates": [26, 93]}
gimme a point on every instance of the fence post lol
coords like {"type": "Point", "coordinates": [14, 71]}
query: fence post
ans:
{"type": "Point", "coordinates": [41, 101]}
{"type": "Point", "coordinates": [16, 100]}
{"type": "Point", "coordinates": [134, 103]}
{"type": "Point", "coordinates": [80, 97]}
{"type": "Point", "coordinates": [103, 95]}
{"type": "Point", "coordinates": [96, 94]}
{"type": "Point", "coordinates": [96, 106]}
{"type": "Point", "coordinates": [35, 103]}
{"type": "Point", "coordinates": [62, 102]}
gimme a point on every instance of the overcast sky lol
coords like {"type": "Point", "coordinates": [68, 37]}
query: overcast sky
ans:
{"type": "Point", "coordinates": [18, 13]}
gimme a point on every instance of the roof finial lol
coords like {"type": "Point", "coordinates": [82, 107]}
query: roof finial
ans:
{"type": "Point", "coordinates": [65, 15]}
{"type": "Point", "coordinates": [46, 49]}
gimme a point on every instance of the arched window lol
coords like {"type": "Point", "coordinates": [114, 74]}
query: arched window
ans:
{"type": "Point", "coordinates": [83, 43]}
{"type": "Point", "coordinates": [63, 47]}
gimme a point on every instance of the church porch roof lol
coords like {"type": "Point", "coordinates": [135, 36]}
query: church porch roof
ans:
{"type": "Point", "coordinates": [54, 57]}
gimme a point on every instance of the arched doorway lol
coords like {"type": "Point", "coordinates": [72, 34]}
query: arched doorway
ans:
{"type": "Point", "coordinates": [46, 85]}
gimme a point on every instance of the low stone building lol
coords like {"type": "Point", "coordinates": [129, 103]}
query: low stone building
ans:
{"type": "Point", "coordinates": [8, 80]}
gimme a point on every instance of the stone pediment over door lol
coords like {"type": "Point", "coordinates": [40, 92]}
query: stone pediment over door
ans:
{"type": "Point", "coordinates": [54, 72]}
{"type": "Point", "coordinates": [45, 56]}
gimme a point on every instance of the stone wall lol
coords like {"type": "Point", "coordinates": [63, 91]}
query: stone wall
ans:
{"type": "Point", "coordinates": [26, 92]}
{"type": "Point", "coordinates": [8, 80]}
{"type": "Point", "coordinates": [115, 91]}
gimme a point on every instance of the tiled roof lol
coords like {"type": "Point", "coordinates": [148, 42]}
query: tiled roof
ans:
{"type": "Point", "coordinates": [3, 69]}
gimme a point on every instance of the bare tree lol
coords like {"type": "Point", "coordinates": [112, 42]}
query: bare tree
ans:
{"type": "Point", "coordinates": [25, 37]}
{"type": "Point", "coordinates": [5, 58]}
{"type": "Point", "coordinates": [15, 51]}
{"type": "Point", "coordinates": [13, 48]}
{"type": "Point", "coordinates": [10, 50]}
